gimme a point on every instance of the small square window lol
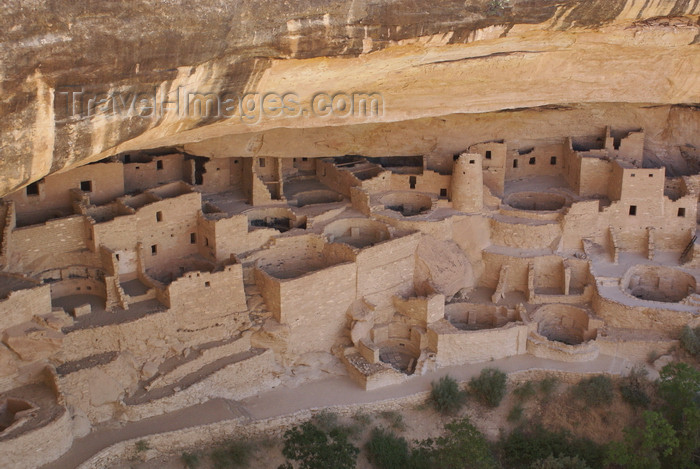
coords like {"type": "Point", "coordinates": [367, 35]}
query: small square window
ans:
{"type": "Point", "coordinates": [159, 165]}
{"type": "Point", "coordinates": [207, 284]}
{"type": "Point", "coordinates": [472, 161]}
{"type": "Point", "coordinates": [235, 161]}
{"type": "Point", "coordinates": [632, 175]}
{"type": "Point", "coordinates": [159, 216]}
{"type": "Point", "coordinates": [681, 212]}
{"type": "Point", "coordinates": [515, 163]}
{"type": "Point", "coordinates": [193, 238]}
{"type": "Point", "coordinates": [553, 160]}
{"type": "Point", "coordinates": [154, 249]}
{"type": "Point", "coordinates": [33, 188]}
{"type": "Point", "coordinates": [443, 192]}
{"type": "Point", "coordinates": [304, 159]}
{"type": "Point", "coordinates": [261, 161]}
{"type": "Point", "coordinates": [412, 182]}
{"type": "Point", "coordinates": [488, 154]}
{"type": "Point", "coordinates": [651, 175]}
{"type": "Point", "coordinates": [86, 186]}
{"type": "Point", "coordinates": [633, 210]}
{"type": "Point", "coordinates": [532, 160]}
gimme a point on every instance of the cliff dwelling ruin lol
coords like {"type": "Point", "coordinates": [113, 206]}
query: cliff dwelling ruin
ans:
{"type": "Point", "coordinates": [516, 196]}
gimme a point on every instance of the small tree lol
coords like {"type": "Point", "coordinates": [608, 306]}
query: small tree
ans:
{"type": "Point", "coordinates": [690, 340]}
{"type": "Point", "coordinates": [462, 446]}
{"type": "Point", "coordinates": [446, 397]}
{"type": "Point", "coordinates": [490, 387]}
{"type": "Point", "coordinates": [644, 448]}
{"type": "Point", "coordinates": [561, 462]}
{"type": "Point", "coordinates": [315, 449]}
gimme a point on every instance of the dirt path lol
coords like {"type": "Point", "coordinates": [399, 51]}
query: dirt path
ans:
{"type": "Point", "coordinates": [284, 400]}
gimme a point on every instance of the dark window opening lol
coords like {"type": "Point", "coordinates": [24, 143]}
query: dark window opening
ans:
{"type": "Point", "coordinates": [159, 165]}
{"type": "Point", "coordinates": [633, 210]}
{"type": "Point", "coordinates": [532, 160]}
{"type": "Point", "coordinates": [488, 154]}
{"type": "Point", "coordinates": [651, 175]}
{"type": "Point", "coordinates": [515, 163]}
{"type": "Point", "coordinates": [154, 249]}
{"type": "Point", "coordinates": [632, 175]}
{"type": "Point", "coordinates": [159, 216]}
{"type": "Point", "coordinates": [455, 157]}
{"type": "Point", "coordinates": [86, 186]}
{"type": "Point", "coordinates": [33, 188]}
{"type": "Point", "coordinates": [443, 192]}
{"type": "Point", "coordinates": [304, 159]}
{"type": "Point", "coordinates": [117, 256]}
{"type": "Point", "coordinates": [193, 238]}
{"type": "Point", "coordinates": [681, 212]}
{"type": "Point", "coordinates": [207, 284]}
{"type": "Point", "coordinates": [235, 161]}
{"type": "Point", "coordinates": [553, 160]}
{"type": "Point", "coordinates": [472, 161]}
{"type": "Point", "coordinates": [412, 182]}
{"type": "Point", "coordinates": [206, 241]}
{"type": "Point", "coordinates": [261, 161]}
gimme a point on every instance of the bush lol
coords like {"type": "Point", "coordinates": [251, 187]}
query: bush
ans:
{"type": "Point", "coordinates": [690, 340]}
{"type": "Point", "coordinates": [362, 419]}
{"type": "Point", "coordinates": [646, 447]}
{"type": "Point", "coordinates": [141, 446]}
{"type": "Point", "coordinates": [233, 454]}
{"type": "Point", "coordinates": [516, 413]}
{"type": "Point", "coordinates": [562, 462]}
{"type": "Point", "coordinates": [394, 419]}
{"type": "Point", "coordinates": [548, 385]}
{"type": "Point", "coordinates": [313, 448]}
{"type": "Point", "coordinates": [326, 420]}
{"type": "Point", "coordinates": [594, 391]}
{"type": "Point", "coordinates": [446, 397]}
{"type": "Point", "coordinates": [526, 446]}
{"type": "Point", "coordinates": [490, 387]}
{"type": "Point", "coordinates": [190, 460]}
{"type": "Point", "coordinates": [525, 391]}
{"type": "Point", "coordinates": [385, 450]}
{"type": "Point", "coordinates": [632, 388]}
{"type": "Point", "coordinates": [462, 446]}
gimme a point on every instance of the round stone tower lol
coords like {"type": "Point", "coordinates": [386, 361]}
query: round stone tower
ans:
{"type": "Point", "coordinates": [467, 183]}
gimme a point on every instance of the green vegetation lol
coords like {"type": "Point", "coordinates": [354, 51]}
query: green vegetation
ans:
{"type": "Point", "coordinates": [548, 385]}
{"type": "Point", "coordinates": [496, 7]}
{"type": "Point", "coordinates": [446, 397]}
{"type": "Point", "coordinates": [516, 413]}
{"type": "Point", "coordinates": [690, 340]}
{"type": "Point", "coordinates": [190, 460]}
{"type": "Point", "coordinates": [525, 391]}
{"type": "Point", "coordinates": [462, 446]}
{"type": "Point", "coordinates": [632, 388]}
{"type": "Point", "coordinates": [385, 450]}
{"type": "Point", "coordinates": [644, 447]}
{"type": "Point", "coordinates": [314, 448]}
{"type": "Point", "coordinates": [141, 446]}
{"type": "Point", "coordinates": [530, 443]}
{"type": "Point", "coordinates": [562, 462]}
{"type": "Point", "coordinates": [595, 391]}
{"type": "Point", "coordinates": [489, 387]}
{"type": "Point", "coordinates": [395, 419]}
{"type": "Point", "coordinates": [362, 419]}
{"type": "Point", "coordinates": [232, 454]}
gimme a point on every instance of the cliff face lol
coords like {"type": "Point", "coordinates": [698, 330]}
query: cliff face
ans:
{"type": "Point", "coordinates": [445, 75]}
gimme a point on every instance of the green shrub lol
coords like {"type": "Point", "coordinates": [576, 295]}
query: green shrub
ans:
{"type": "Point", "coordinates": [561, 462]}
{"type": "Point", "coordinates": [526, 446]}
{"type": "Point", "coordinates": [385, 450]}
{"type": "Point", "coordinates": [462, 446]}
{"type": "Point", "coordinates": [446, 397]}
{"type": "Point", "coordinates": [516, 413]}
{"type": "Point", "coordinates": [489, 387]}
{"type": "Point", "coordinates": [525, 391]}
{"type": "Point", "coordinates": [548, 385]}
{"type": "Point", "coordinates": [395, 419]}
{"type": "Point", "coordinates": [141, 446]}
{"type": "Point", "coordinates": [233, 454]}
{"type": "Point", "coordinates": [594, 391]}
{"type": "Point", "coordinates": [190, 460]}
{"type": "Point", "coordinates": [690, 340]}
{"type": "Point", "coordinates": [362, 418]}
{"type": "Point", "coordinates": [632, 387]}
{"type": "Point", "coordinates": [644, 448]}
{"type": "Point", "coordinates": [314, 448]}
{"type": "Point", "coordinates": [326, 420]}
